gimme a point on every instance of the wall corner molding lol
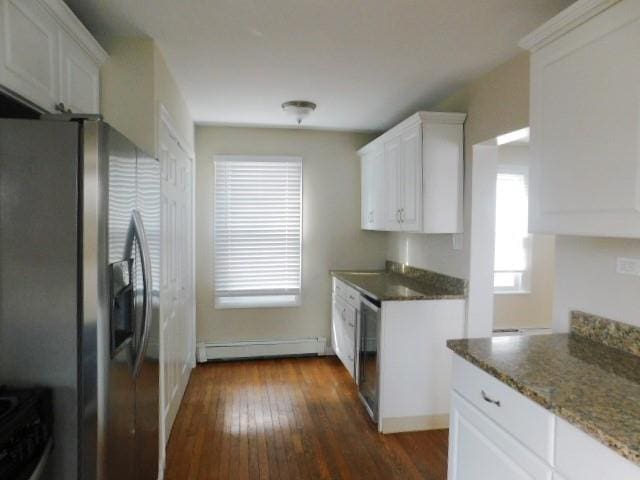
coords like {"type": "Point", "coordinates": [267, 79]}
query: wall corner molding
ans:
{"type": "Point", "coordinates": [564, 22]}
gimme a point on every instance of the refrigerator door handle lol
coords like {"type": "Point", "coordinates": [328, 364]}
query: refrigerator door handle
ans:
{"type": "Point", "coordinates": [141, 239]}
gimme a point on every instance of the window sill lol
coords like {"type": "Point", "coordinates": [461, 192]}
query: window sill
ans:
{"type": "Point", "coordinates": [512, 292]}
{"type": "Point", "coordinates": [275, 301]}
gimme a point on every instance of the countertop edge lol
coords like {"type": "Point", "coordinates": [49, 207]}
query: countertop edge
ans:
{"type": "Point", "coordinates": [562, 412]}
{"type": "Point", "coordinates": [426, 297]}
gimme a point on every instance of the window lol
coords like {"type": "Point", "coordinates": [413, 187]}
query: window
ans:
{"type": "Point", "coordinates": [257, 231]}
{"type": "Point", "coordinates": [512, 255]}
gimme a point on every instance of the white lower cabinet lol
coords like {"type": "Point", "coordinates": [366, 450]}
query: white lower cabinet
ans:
{"type": "Point", "coordinates": [497, 433]}
{"type": "Point", "coordinates": [581, 457]}
{"type": "Point", "coordinates": [344, 317]}
{"type": "Point", "coordinates": [482, 450]}
{"type": "Point", "coordinates": [412, 364]}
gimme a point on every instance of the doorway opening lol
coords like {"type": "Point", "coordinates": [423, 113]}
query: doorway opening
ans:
{"type": "Point", "coordinates": [511, 276]}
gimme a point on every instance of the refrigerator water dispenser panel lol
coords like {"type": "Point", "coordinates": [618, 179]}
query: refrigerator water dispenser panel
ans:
{"type": "Point", "coordinates": [121, 304]}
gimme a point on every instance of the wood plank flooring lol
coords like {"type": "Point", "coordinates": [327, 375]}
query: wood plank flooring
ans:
{"type": "Point", "coordinates": [292, 419]}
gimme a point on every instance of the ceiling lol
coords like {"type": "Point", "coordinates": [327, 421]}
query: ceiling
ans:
{"type": "Point", "coordinates": [366, 63]}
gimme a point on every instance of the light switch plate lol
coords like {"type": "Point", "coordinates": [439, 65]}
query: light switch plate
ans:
{"type": "Point", "coordinates": [458, 241]}
{"type": "Point", "coordinates": [628, 266]}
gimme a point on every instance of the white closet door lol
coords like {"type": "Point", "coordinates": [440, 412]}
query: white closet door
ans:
{"type": "Point", "coordinates": [176, 295]}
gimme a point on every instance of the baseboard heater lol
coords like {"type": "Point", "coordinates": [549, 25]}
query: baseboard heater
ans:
{"type": "Point", "coordinates": [261, 349]}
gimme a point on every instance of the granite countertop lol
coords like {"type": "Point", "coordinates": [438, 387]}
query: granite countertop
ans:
{"type": "Point", "coordinates": [400, 282]}
{"type": "Point", "coordinates": [589, 377]}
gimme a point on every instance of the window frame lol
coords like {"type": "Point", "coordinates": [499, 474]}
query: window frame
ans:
{"type": "Point", "coordinates": [523, 287]}
{"type": "Point", "coordinates": [257, 300]}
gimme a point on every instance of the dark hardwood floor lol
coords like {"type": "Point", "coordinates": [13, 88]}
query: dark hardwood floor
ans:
{"type": "Point", "coordinates": [290, 419]}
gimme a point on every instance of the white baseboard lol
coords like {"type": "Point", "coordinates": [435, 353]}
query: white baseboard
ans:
{"type": "Point", "coordinates": [261, 348]}
{"type": "Point", "coordinates": [413, 424]}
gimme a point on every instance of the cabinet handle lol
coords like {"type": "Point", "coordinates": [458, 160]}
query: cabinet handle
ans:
{"type": "Point", "coordinates": [402, 215]}
{"type": "Point", "coordinates": [488, 399]}
{"type": "Point", "coordinates": [60, 107]}
{"type": "Point", "coordinates": [398, 215]}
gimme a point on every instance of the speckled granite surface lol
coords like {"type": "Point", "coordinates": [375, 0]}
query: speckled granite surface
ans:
{"type": "Point", "coordinates": [398, 284]}
{"type": "Point", "coordinates": [591, 385]}
{"type": "Point", "coordinates": [611, 333]}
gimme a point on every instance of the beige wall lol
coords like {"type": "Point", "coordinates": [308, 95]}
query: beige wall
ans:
{"type": "Point", "coordinates": [532, 309]}
{"type": "Point", "coordinates": [126, 97]}
{"type": "Point", "coordinates": [135, 81]}
{"type": "Point", "coordinates": [495, 103]}
{"type": "Point", "coordinates": [332, 238]}
{"type": "Point", "coordinates": [585, 276]}
{"type": "Point", "coordinates": [167, 93]}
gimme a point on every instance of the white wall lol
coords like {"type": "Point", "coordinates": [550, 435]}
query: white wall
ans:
{"type": "Point", "coordinates": [586, 279]}
{"type": "Point", "coordinates": [135, 81]}
{"type": "Point", "coordinates": [332, 238]}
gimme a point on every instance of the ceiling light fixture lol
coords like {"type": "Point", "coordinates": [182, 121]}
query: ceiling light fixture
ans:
{"type": "Point", "coordinates": [299, 109]}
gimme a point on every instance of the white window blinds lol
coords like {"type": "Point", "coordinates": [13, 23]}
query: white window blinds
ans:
{"type": "Point", "coordinates": [257, 231]}
{"type": "Point", "coordinates": [512, 230]}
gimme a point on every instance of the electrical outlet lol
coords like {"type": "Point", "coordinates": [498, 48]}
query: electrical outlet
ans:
{"type": "Point", "coordinates": [628, 266]}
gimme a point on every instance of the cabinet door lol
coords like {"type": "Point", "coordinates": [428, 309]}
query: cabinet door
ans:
{"type": "Point", "coordinates": [579, 456]}
{"type": "Point", "coordinates": [29, 53]}
{"type": "Point", "coordinates": [367, 191]}
{"type": "Point", "coordinates": [585, 128]}
{"type": "Point", "coordinates": [378, 189]}
{"type": "Point", "coordinates": [410, 177]}
{"type": "Point", "coordinates": [478, 448]}
{"type": "Point", "coordinates": [336, 324]}
{"type": "Point", "coordinates": [79, 77]}
{"type": "Point", "coordinates": [392, 183]}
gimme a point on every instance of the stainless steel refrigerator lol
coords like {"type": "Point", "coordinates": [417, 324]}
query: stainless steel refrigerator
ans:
{"type": "Point", "coordinates": [79, 290]}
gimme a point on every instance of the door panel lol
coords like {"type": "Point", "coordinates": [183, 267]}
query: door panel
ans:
{"type": "Point", "coordinates": [411, 179]}
{"type": "Point", "coordinates": [39, 274]}
{"type": "Point", "coordinates": [29, 51]}
{"type": "Point", "coordinates": [392, 190]}
{"type": "Point", "coordinates": [79, 77]}
{"type": "Point", "coordinates": [147, 382]}
{"type": "Point", "coordinates": [480, 449]}
{"type": "Point", "coordinates": [120, 391]}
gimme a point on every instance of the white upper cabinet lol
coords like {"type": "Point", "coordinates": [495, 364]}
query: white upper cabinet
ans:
{"type": "Point", "coordinates": [412, 176]}
{"type": "Point", "coordinates": [48, 57]}
{"type": "Point", "coordinates": [585, 121]}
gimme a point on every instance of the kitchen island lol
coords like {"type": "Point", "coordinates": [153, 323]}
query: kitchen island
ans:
{"type": "Point", "coordinates": [566, 397]}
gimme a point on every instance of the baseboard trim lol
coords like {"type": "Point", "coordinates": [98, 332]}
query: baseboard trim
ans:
{"type": "Point", "coordinates": [412, 424]}
{"type": "Point", "coordinates": [261, 349]}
